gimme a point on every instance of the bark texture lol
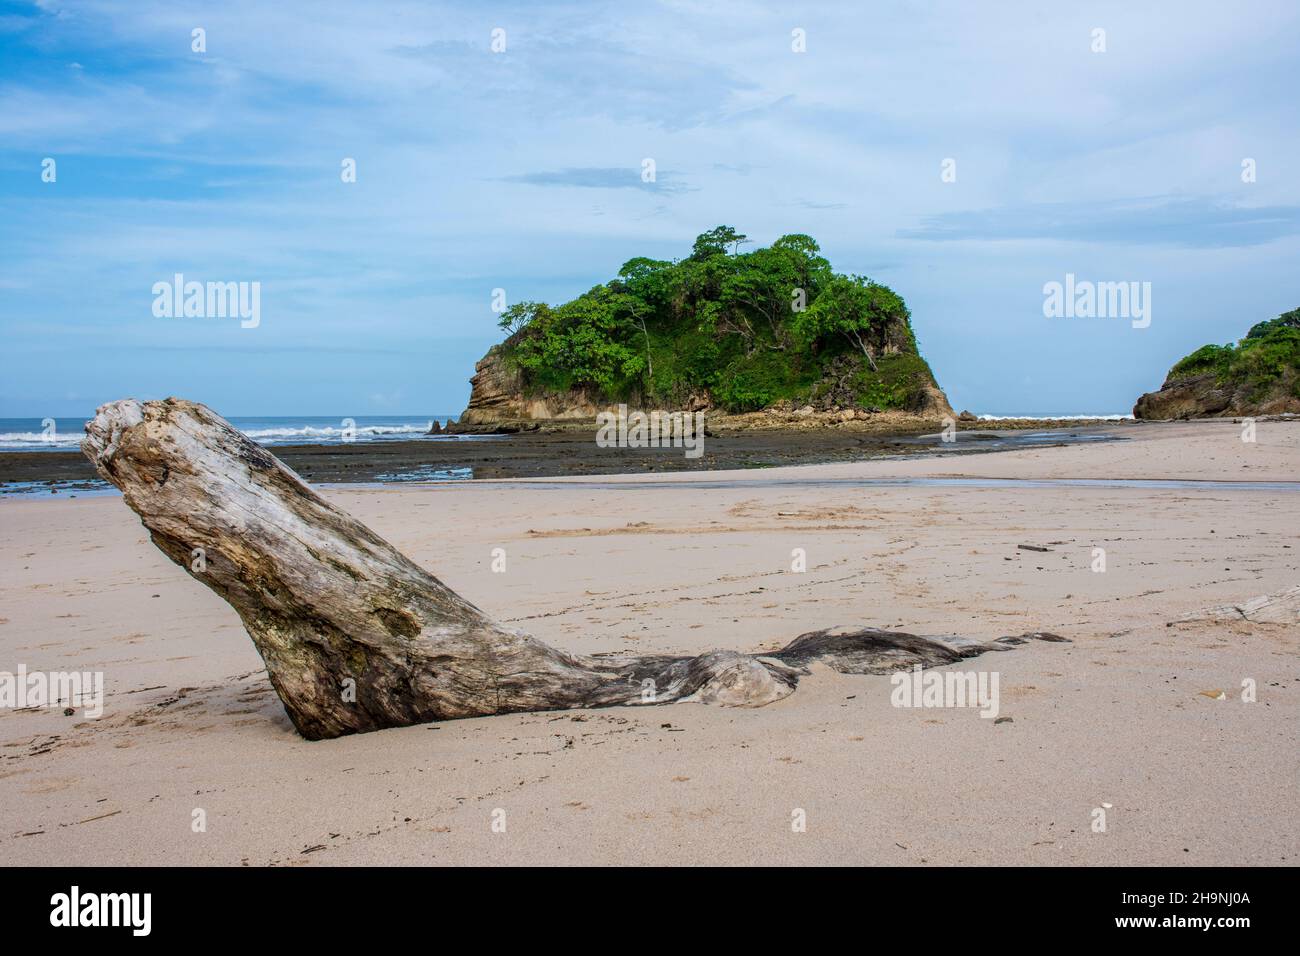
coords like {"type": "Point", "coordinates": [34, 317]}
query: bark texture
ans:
{"type": "Point", "coordinates": [357, 637]}
{"type": "Point", "coordinates": [1281, 607]}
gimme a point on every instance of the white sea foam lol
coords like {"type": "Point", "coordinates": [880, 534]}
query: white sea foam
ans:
{"type": "Point", "coordinates": [360, 433]}
{"type": "Point", "coordinates": [69, 439]}
{"type": "Point", "coordinates": [22, 440]}
{"type": "Point", "coordinates": [1055, 418]}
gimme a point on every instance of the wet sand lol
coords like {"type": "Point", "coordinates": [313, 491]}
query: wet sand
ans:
{"type": "Point", "coordinates": [1115, 720]}
{"type": "Point", "coordinates": [539, 455]}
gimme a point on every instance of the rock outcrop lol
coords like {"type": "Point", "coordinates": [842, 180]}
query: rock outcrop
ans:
{"type": "Point", "coordinates": [932, 402]}
{"type": "Point", "coordinates": [1204, 396]}
{"type": "Point", "coordinates": [731, 333]}
{"type": "Point", "coordinates": [1197, 397]}
{"type": "Point", "coordinates": [497, 400]}
{"type": "Point", "coordinates": [1260, 375]}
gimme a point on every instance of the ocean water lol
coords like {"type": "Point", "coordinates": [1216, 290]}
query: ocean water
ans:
{"type": "Point", "coordinates": [64, 434]}
{"type": "Point", "coordinates": [1056, 418]}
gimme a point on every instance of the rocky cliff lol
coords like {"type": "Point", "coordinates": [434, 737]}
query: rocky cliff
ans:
{"type": "Point", "coordinates": [497, 398]}
{"type": "Point", "coordinates": [500, 401]}
{"type": "Point", "coordinates": [1260, 375]}
{"type": "Point", "coordinates": [734, 334]}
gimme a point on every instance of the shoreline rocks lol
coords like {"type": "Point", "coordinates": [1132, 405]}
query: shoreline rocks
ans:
{"type": "Point", "coordinates": [498, 404]}
{"type": "Point", "coordinates": [1203, 396]}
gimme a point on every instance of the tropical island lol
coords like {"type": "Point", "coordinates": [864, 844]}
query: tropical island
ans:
{"type": "Point", "coordinates": [770, 329]}
{"type": "Point", "coordinates": [1259, 375]}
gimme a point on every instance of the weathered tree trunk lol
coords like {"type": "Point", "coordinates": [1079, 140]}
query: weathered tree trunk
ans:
{"type": "Point", "coordinates": [1282, 607]}
{"type": "Point", "coordinates": [357, 637]}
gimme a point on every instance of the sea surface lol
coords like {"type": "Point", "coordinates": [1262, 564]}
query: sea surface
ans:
{"type": "Point", "coordinates": [64, 434]}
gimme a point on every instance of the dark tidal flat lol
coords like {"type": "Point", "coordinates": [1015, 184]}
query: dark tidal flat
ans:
{"type": "Point", "coordinates": [552, 455]}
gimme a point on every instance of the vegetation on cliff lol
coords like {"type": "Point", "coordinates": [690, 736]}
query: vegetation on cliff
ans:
{"type": "Point", "coordinates": [1260, 373]}
{"type": "Point", "coordinates": [1266, 355]}
{"type": "Point", "coordinates": [746, 329]}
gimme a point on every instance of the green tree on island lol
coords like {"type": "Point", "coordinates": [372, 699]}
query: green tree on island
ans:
{"type": "Point", "coordinates": [750, 329]}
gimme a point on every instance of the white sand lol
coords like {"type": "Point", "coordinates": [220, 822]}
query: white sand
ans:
{"type": "Point", "coordinates": [1115, 717]}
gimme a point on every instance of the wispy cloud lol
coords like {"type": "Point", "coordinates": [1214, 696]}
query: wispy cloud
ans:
{"type": "Point", "coordinates": [600, 177]}
{"type": "Point", "coordinates": [1194, 223]}
{"type": "Point", "coordinates": [813, 204]}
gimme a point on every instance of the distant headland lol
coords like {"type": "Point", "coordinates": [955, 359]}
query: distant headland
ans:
{"type": "Point", "coordinates": [1260, 375]}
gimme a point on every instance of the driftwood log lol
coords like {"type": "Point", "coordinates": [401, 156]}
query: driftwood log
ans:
{"type": "Point", "coordinates": [357, 637]}
{"type": "Point", "coordinates": [1281, 607]}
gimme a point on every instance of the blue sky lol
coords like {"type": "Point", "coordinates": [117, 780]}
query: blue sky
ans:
{"type": "Point", "coordinates": [520, 170]}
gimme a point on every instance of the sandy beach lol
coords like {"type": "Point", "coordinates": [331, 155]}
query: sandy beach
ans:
{"type": "Point", "coordinates": [1115, 720]}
